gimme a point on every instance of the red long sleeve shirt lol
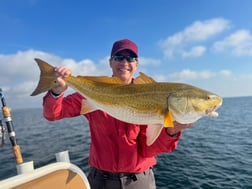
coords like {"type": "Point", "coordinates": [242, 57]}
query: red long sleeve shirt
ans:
{"type": "Point", "coordinates": [115, 146]}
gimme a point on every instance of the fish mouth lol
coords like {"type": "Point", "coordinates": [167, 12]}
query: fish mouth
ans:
{"type": "Point", "coordinates": [211, 111]}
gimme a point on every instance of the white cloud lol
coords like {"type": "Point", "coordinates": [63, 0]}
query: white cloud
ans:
{"type": "Point", "coordinates": [188, 75]}
{"type": "Point", "coordinates": [239, 43]}
{"type": "Point", "coordinates": [19, 74]}
{"type": "Point", "coordinates": [225, 73]}
{"type": "Point", "coordinates": [197, 32]}
{"type": "Point", "coordinates": [84, 67]}
{"type": "Point", "coordinates": [194, 52]}
{"type": "Point", "coordinates": [19, 65]}
{"type": "Point", "coordinates": [149, 61]}
{"type": "Point", "coordinates": [192, 75]}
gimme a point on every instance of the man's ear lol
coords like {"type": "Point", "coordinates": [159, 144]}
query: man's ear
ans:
{"type": "Point", "coordinates": [110, 62]}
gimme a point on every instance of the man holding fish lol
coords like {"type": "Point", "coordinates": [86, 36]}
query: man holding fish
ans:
{"type": "Point", "coordinates": [123, 148]}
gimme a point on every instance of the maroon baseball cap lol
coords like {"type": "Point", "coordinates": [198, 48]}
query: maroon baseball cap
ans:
{"type": "Point", "coordinates": [122, 45]}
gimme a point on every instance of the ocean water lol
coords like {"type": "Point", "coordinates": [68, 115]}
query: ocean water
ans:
{"type": "Point", "coordinates": [214, 153]}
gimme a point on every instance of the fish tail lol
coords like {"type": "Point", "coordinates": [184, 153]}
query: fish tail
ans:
{"type": "Point", "coordinates": [48, 78]}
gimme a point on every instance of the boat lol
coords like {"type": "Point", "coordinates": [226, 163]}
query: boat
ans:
{"type": "Point", "coordinates": [61, 174]}
{"type": "Point", "coordinates": [58, 175]}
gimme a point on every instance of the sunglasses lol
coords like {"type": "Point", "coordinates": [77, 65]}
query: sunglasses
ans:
{"type": "Point", "coordinates": [121, 58]}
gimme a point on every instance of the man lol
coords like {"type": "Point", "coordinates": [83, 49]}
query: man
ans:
{"type": "Point", "coordinates": [119, 156]}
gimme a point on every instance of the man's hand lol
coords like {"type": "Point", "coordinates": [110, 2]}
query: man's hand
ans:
{"type": "Point", "coordinates": [61, 72]}
{"type": "Point", "coordinates": [177, 127]}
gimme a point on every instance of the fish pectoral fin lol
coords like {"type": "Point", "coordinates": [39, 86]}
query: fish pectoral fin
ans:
{"type": "Point", "coordinates": [87, 107]}
{"type": "Point", "coordinates": [152, 133]}
{"type": "Point", "coordinates": [168, 121]}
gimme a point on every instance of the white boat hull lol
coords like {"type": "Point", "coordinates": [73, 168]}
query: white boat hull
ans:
{"type": "Point", "coordinates": [60, 175]}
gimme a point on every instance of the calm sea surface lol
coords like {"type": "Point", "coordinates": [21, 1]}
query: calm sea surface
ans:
{"type": "Point", "coordinates": [215, 153]}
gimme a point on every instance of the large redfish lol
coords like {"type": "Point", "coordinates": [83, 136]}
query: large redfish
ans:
{"type": "Point", "coordinates": [156, 104]}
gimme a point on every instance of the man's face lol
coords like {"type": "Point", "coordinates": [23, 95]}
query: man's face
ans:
{"type": "Point", "coordinates": [124, 65]}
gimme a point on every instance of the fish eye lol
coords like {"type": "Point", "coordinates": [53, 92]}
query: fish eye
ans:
{"type": "Point", "coordinates": [209, 97]}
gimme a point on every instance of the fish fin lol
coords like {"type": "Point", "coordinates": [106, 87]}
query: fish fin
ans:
{"type": "Point", "coordinates": [87, 107]}
{"type": "Point", "coordinates": [152, 133]}
{"type": "Point", "coordinates": [142, 79]}
{"type": "Point", "coordinates": [103, 79]}
{"type": "Point", "coordinates": [47, 77]}
{"type": "Point", "coordinates": [168, 121]}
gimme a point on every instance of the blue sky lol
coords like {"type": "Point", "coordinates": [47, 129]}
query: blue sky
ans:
{"type": "Point", "coordinates": [204, 43]}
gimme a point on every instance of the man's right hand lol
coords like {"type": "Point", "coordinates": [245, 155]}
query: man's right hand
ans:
{"type": "Point", "coordinates": [62, 85]}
